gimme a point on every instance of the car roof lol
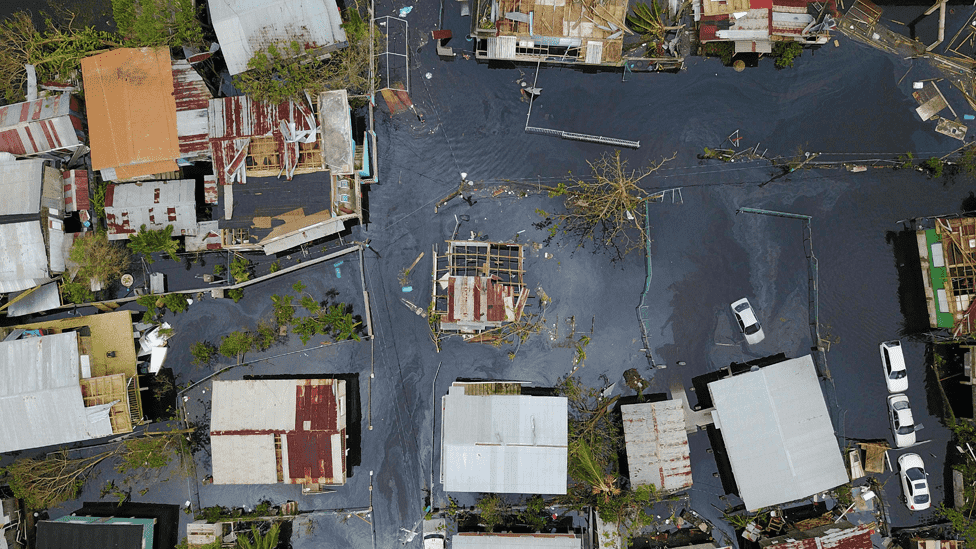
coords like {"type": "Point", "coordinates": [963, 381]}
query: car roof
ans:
{"type": "Point", "coordinates": [905, 417]}
{"type": "Point", "coordinates": [896, 355]}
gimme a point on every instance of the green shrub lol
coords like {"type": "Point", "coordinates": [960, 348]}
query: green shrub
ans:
{"type": "Point", "coordinates": [147, 242]}
{"type": "Point", "coordinates": [785, 52]}
{"type": "Point", "coordinates": [203, 352]}
{"type": "Point", "coordinates": [236, 294]}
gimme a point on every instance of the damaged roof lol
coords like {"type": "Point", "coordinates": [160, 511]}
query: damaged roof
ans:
{"type": "Point", "coordinates": [245, 27]}
{"type": "Point", "coordinates": [657, 445]}
{"type": "Point", "coordinates": [305, 418]}
{"type": "Point", "coordinates": [23, 256]}
{"type": "Point", "coordinates": [154, 204]}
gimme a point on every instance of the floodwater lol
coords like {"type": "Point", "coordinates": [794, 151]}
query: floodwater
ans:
{"type": "Point", "coordinates": [844, 102]}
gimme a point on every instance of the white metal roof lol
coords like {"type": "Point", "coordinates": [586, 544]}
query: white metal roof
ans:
{"type": "Point", "coordinates": [503, 443]}
{"type": "Point", "coordinates": [40, 396]}
{"type": "Point", "coordinates": [243, 459]}
{"type": "Point", "coordinates": [45, 298]}
{"type": "Point", "coordinates": [262, 404]}
{"type": "Point", "coordinates": [336, 124]}
{"type": "Point", "coordinates": [778, 433]}
{"type": "Point", "coordinates": [23, 257]}
{"type": "Point", "coordinates": [154, 204]}
{"type": "Point", "coordinates": [657, 445]}
{"type": "Point", "coordinates": [20, 187]}
{"type": "Point", "coordinates": [245, 27]}
{"type": "Point", "coordinates": [515, 541]}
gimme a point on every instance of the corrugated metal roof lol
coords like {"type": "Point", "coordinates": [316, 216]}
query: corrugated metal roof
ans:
{"type": "Point", "coordinates": [503, 443]}
{"type": "Point", "coordinates": [192, 101]}
{"type": "Point", "coordinates": [306, 416]}
{"type": "Point", "coordinates": [245, 27]}
{"type": "Point", "coordinates": [40, 396]}
{"type": "Point", "coordinates": [336, 124]}
{"type": "Point", "coordinates": [76, 193]}
{"type": "Point", "coordinates": [45, 298]}
{"type": "Point", "coordinates": [474, 540]}
{"type": "Point", "coordinates": [20, 186]}
{"type": "Point", "coordinates": [657, 445]}
{"type": "Point", "coordinates": [46, 124]}
{"type": "Point", "coordinates": [131, 111]}
{"type": "Point", "coordinates": [63, 534]}
{"type": "Point", "coordinates": [778, 433]}
{"type": "Point", "coordinates": [833, 537]}
{"type": "Point", "coordinates": [155, 204]}
{"type": "Point", "coordinates": [23, 257]}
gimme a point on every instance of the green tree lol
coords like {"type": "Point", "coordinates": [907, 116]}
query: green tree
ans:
{"type": "Point", "coordinates": [240, 269]}
{"type": "Point", "coordinates": [492, 511]}
{"type": "Point", "coordinates": [151, 451]}
{"type": "Point", "coordinates": [98, 260]}
{"type": "Point", "coordinates": [785, 52]}
{"type": "Point", "coordinates": [149, 241]}
{"type": "Point", "coordinates": [934, 166]}
{"type": "Point", "coordinates": [203, 352]}
{"type": "Point", "coordinates": [236, 344]}
{"type": "Point", "coordinates": [170, 23]}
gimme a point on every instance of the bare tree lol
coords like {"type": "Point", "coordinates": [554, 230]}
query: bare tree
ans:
{"type": "Point", "coordinates": [607, 207]}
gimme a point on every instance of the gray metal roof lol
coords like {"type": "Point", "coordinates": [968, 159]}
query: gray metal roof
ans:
{"type": "Point", "coordinates": [503, 443]}
{"type": "Point", "coordinates": [40, 396]}
{"type": "Point", "coordinates": [657, 445]}
{"type": "Point", "coordinates": [260, 404]}
{"type": "Point", "coordinates": [45, 298]}
{"type": "Point", "coordinates": [23, 257]}
{"type": "Point", "coordinates": [778, 433]}
{"type": "Point", "coordinates": [336, 124]}
{"type": "Point", "coordinates": [471, 540]}
{"type": "Point", "coordinates": [154, 204]}
{"type": "Point", "coordinates": [20, 187]}
{"type": "Point", "coordinates": [245, 27]}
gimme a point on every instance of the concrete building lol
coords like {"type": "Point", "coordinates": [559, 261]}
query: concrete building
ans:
{"type": "Point", "coordinates": [268, 431]}
{"type": "Point", "coordinates": [494, 439]}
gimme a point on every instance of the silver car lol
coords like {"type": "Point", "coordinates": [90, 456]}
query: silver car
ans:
{"type": "Point", "coordinates": [902, 422]}
{"type": "Point", "coordinates": [748, 323]}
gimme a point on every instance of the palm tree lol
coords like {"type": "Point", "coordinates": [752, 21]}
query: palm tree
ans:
{"type": "Point", "coordinates": [261, 541]}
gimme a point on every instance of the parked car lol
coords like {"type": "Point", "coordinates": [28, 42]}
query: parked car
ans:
{"type": "Point", "coordinates": [748, 323]}
{"type": "Point", "coordinates": [896, 374]}
{"type": "Point", "coordinates": [902, 423]}
{"type": "Point", "coordinates": [435, 533]}
{"type": "Point", "coordinates": [914, 482]}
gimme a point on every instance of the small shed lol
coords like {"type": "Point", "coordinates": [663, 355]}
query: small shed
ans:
{"type": "Point", "coordinates": [52, 124]}
{"type": "Point", "coordinates": [657, 445]}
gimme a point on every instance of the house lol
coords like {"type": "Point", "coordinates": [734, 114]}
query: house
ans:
{"type": "Point", "coordinates": [312, 147]}
{"type": "Point", "coordinates": [753, 26]}
{"type": "Point", "coordinates": [83, 532]}
{"type": "Point", "coordinates": [147, 114]}
{"type": "Point", "coordinates": [478, 286]}
{"type": "Point", "coordinates": [107, 351]}
{"type": "Point", "coordinates": [246, 27]}
{"type": "Point", "coordinates": [777, 433]}
{"type": "Point", "coordinates": [53, 125]}
{"type": "Point", "coordinates": [266, 431]}
{"type": "Point", "coordinates": [495, 439]}
{"type": "Point", "coordinates": [842, 535]}
{"type": "Point", "coordinates": [155, 204]}
{"type": "Point", "coordinates": [657, 445]}
{"type": "Point", "coordinates": [587, 32]}
{"type": "Point", "coordinates": [49, 395]}
{"type": "Point", "coordinates": [947, 251]}
{"type": "Point", "coordinates": [31, 224]}
{"type": "Point", "coordinates": [484, 540]}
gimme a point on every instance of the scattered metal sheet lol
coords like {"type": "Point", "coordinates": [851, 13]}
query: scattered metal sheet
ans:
{"type": "Point", "coordinates": [931, 108]}
{"type": "Point", "coordinates": [951, 128]}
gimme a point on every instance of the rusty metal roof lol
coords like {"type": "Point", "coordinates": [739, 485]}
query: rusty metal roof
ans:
{"type": "Point", "coordinates": [48, 124]}
{"type": "Point", "coordinates": [657, 445]}
{"type": "Point", "coordinates": [832, 537]}
{"type": "Point", "coordinates": [192, 121]}
{"type": "Point", "coordinates": [245, 27]}
{"type": "Point", "coordinates": [154, 204]}
{"type": "Point", "coordinates": [306, 418]}
{"type": "Point", "coordinates": [131, 112]}
{"type": "Point", "coordinates": [76, 193]}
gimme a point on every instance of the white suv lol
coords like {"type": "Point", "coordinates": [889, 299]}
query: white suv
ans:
{"type": "Point", "coordinates": [893, 361]}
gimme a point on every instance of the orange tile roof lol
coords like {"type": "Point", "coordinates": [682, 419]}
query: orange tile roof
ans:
{"type": "Point", "coordinates": [131, 111]}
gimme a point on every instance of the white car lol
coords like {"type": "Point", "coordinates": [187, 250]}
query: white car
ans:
{"type": "Point", "coordinates": [435, 533]}
{"type": "Point", "coordinates": [893, 361]}
{"type": "Point", "coordinates": [914, 482]}
{"type": "Point", "coordinates": [748, 323]}
{"type": "Point", "coordinates": [902, 423]}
